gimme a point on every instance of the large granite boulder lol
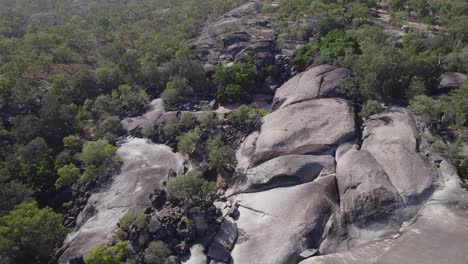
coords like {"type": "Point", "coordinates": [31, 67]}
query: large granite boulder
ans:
{"type": "Point", "coordinates": [317, 82]}
{"type": "Point", "coordinates": [145, 167]}
{"type": "Point", "coordinates": [451, 80]}
{"type": "Point", "coordinates": [437, 235]}
{"type": "Point", "coordinates": [275, 226]}
{"type": "Point", "coordinates": [392, 139]}
{"type": "Point", "coordinates": [308, 127]}
{"type": "Point", "coordinates": [155, 111]}
{"type": "Point", "coordinates": [282, 171]}
{"type": "Point", "coordinates": [366, 192]}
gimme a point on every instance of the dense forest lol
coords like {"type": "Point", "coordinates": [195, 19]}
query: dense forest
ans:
{"type": "Point", "coordinates": [70, 71]}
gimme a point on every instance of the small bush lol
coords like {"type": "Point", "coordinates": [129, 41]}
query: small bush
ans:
{"type": "Point", "coordinates": [134, 217]}
{"type": "Point", "coordinates": [188, 142]}
{"type": "Point", "coordinates": [187, 120]}
{"type": "Point", "coordinates": [91, 173]}
{"type": "Point", "coordinates": [192, 187]}
{"type": "Point", "coordinates": [68, 174]}
{"type": "Point", "coordinates": [177, 90]}
{"type": "Point", "coordinates": [171, 126]}
{"type": "Point", "coordinates": [229, 93]}
{"type": "Point", "coordinates": [246, 116]}
{"type": "Point", "coordinates": [220, 155]}
{"type": "Point", "coordinates": [371, 107]}
{"type": "Point", "coordinates": [108, 254]}
{"type": "Point", "coordinates": [208, 120]}
{"type": "Point", "coordinates": [464, 168]}
{"type": "Point", "coordinates": [156, 253]}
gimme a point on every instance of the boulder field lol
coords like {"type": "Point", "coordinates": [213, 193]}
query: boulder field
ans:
{"type": "Point", "coordinates": [310, 188]}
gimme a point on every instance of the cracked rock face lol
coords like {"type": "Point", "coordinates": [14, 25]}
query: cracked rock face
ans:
{"type": "Point", "coordinates": [307, 127]}
{"type": "Point", "coordinates": [145, 167]}
{"type": "Point", "coordinates": [281, 171]}
{"type": "Point", "coordinates": [316, 82]}
{"type": "Point", "coordinates": [275, 226]}
{"type": "Point", "coordinates": [392, 138]}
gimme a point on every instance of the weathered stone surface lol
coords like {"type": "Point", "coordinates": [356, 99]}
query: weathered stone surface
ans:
{"type": "Point", "coordinates": [275, 226]}
{"type": "Point", "coordinates": [437, 235]}
{"type": "Point", "coordinates": [450, 80]}
{"type": "Point", "coordinates": [391, 137]}
{"type": "Point", "coordinates": [282, 171]}
{"type": "Point", "coordinates": [151, 116]}
{"type": "Point", "coordinates": [305, 128]}
{"type": "Point", "coordinates": [317, 82]}
{"type": "Point", "coordinates": [366, 192]}
{"type": "Point", "coordinates": [227, 234]}
{"type": "Point", "coordinates": [145, 167]}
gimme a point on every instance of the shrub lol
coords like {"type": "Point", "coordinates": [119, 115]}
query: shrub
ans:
{"type": "Point", "coordinates": [98, 152]}
{"type": "Point", "coordinates": [220, 155]}
{"type": "Point", "coordinates": [235, 80]}
{"type": "Point", "coordinates": [246, 116]}
{"type": "Point", "coordinates": [28, 234]}
{"type": "Point", "coordinates": [171, 126]}
{"type": "Point", "coordinates": [208, 120]}
{"type": "Point", "coordinates": [188, 142]}
{"type": "Point", "coordinates": [129, 100]}
{"type": "Point", "coordinates": [192, 187]}
{"type": "Point", "coordinates": [91, 174]}
{"type": "Point", "coordinates": [229, 93]}
{"type": "Point", "coordinates": [187, 120]}
{"type": "Point", "coordinates": [303, 55]}
{"type": "Point", "coordinates": [464, 168]}
{"type": "Point", "coordinates": [156, 253]}
{"type": "Point", "coordinates": [71, 142]}
{"type": "Point", "coordinates": [429, 108]}
{"type": "Point", "coordinates": [177, 90]}
{"type": "Point", "coordinates": [134, 217]}
{"type": "Point", "coordinates": [371, 107]}
{"type": "Point", "coordinates": [68, 174]}
{"type": "Point", "coordinates": [148, 130]}
{"type": "Point", "coordinates": [108, 254]}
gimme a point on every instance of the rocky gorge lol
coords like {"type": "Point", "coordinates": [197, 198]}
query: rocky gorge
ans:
{"type": "Point", "coordinates": [313, 184]}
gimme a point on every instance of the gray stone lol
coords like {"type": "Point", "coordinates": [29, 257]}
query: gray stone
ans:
{"type": "Point", "coordinates": [317, 82]}
{"type": "Point", "coordinates": [450, 80]}
{"type": "Point", "coordinates": [274, 224]}
{"type": "Point", "coordinates": [437, 235]}
{"type": "Point", "coordinates": [281, 171]}
{"type": "Point", "coordinates": [227, 234]}
{"type": "Point", "coordinates": [145, 167]}
{"type": "Point", "coordinates": [150, 117]}
{"type": "Point", "coordinates": [305, 128]}
{"type": "Point", "coordinates": [366, 192]}
{"type": "Point", "coordinates": [392, 138]}
{"type": "Point", "coordinates": [218, 252]}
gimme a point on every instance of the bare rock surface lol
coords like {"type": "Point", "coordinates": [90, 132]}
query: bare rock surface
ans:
{"type": "Point", "coordinates": [392, 138]}
{"type": "Point", "coordinates": [451, 80]}
{"type": "Point", "coordinates": [366, 192]}
{"type": "Point", "coordinates": [156, 110]}
{"type": "Point", "coordinates": [308, 127]}
{"type": "Point", "coordinates": [281, 171]}
{"type": "Point", "coordinates": [275, 226]}
{"type": "Point", "coordinates": [145, 167]}
{"type": "Point", "coordinates": [317, 82]}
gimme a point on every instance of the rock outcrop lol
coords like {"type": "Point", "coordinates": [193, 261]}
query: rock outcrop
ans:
{"type": "Point", "coordinates": [145, 167]}
{"type": "Point", "coordinates": [317, 82]}
{"type": "Point", "coordinates": [275, 226]}
{"type": "Point", "coordinates": [392, 138]}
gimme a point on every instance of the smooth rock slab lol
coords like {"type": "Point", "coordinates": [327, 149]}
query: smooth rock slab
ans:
{"type": "Point", "coordinates": [308, 127]}
{"type": "Point", "coordinates": [391, 137]}
{"type": "Point", "coordinates": [151, 116]}
{"type": "Point", "coordinates": [145, 167]}
{"type": "Point", "coordinates": [438, 235]}
{"type": "Point", "coordinates": [282, 171]}
{"type": "Point", "coordinates": [275, 226]}
{"type": "Point", "coordinates": [366, 192]}
{"type": "Point", "coordinates": [317, 82]}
